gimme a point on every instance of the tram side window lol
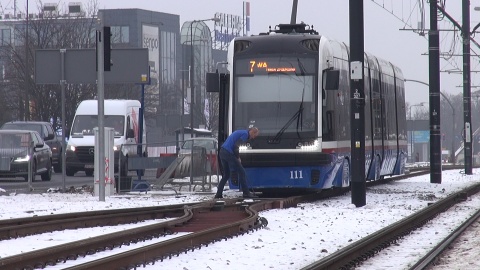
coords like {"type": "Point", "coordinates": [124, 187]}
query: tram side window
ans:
{"type": "Point", "coordinates": [389, 116]}
{"type": "Point", "coordinates": [327, 126]}
{"type": "Point", "coordinates": [368, 124]}
{"type": "Point", "coordinates": [376, 109]}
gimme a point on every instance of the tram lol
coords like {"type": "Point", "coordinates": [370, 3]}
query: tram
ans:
{"type": "Point", "coordinates": [294, 85]}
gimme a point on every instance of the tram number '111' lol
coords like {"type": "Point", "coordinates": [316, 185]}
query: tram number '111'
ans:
{"type": "Point", "coordinates": [296, 174]}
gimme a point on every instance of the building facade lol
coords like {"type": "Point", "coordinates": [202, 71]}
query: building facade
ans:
{"type": "Point", "coordinates": [173, 51]}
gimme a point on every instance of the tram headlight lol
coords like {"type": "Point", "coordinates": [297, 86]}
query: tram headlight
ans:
{"type": "Point", "coordinates": [244, 147]}
{"type": "Point", "coordinates": [308, 145]}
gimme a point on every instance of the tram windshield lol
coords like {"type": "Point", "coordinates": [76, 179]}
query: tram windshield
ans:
{"type": "Point", "coordinates": [276, 94]}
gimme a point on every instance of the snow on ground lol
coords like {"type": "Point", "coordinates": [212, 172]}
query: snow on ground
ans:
{"type": "Point", "coordinates": [294, 237]}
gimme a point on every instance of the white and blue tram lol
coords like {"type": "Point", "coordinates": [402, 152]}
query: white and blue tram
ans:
{"type": "Point", "coordinates": [277, 82]}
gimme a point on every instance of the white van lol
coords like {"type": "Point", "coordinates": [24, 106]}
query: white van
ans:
{"type": "Point", "coordinates": [122, 115]}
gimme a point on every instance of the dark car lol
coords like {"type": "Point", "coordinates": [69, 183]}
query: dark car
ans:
{"type": "Point", "coordinates": [210, 144]}
{"type": "Point", "coordinates": [18, 149]}
{"type": "Point", "coordinates": [47, 133]}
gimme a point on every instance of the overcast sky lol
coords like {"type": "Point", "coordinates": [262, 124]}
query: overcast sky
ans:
{"type": "Point", "coordinates": [383, 36]}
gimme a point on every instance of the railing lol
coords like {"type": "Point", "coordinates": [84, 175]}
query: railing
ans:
{"type": "Point", "coordinates": [460, 149]}
{"type": "Point", "coordinates": [166, 167]}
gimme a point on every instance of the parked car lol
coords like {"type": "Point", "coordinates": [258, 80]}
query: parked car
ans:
{"type": "Point", "coordinates": [18, 149]}
{"type": "Point", "coordinates": [211, 148]}
{"type": "Point", "coordinates": [47, 133]}
{"type": "Point", "coordinates": [208, 144]}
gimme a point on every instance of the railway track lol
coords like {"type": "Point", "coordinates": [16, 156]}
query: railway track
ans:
{"type": "Point", "coordinates": [208, 222]}
{"type": "Point", "coordinates": [14, 228]}
{"type": "Point", "coordinates": [360, 251]}
{"type": "Point", "coordinates": [431, 257]}
{"type": "Point", "coordinates": [52, 255]}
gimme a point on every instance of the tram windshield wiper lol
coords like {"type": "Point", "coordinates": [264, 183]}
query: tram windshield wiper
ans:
{"type": "Point", "coordinates": [302, 68]}
{"type": "Point", "coordinates": [297, 116]}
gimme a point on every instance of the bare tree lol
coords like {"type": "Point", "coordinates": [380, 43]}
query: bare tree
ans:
{"type": "Point", "coordinates": [212, 117]}
{"type": "Point", "coordinates": [27, 100]}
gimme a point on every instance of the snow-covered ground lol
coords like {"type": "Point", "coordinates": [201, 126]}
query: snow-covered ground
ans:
{"type": "Point", "coordinates": [294, 237]}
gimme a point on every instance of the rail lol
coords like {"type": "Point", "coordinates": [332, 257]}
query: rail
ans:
{"type": "Point", "coordinates": [359, 251]}
{"type": "Point", "coordinates": [209, 221]}
{"type": "Point", "coordinates": [19, 227]}
{"type": "Point", "coordinates": [429, 258]}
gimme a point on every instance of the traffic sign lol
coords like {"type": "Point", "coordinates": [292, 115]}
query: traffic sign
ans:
{"type": "Point", "coordinates": [128, 66]}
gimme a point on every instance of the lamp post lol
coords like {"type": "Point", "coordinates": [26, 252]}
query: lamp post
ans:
{"type": "Point", "coordinates": [192, 81]}
{"type": "Point", "coordinates": [162, 110]}
{"type": "Point", "coordinates": [183, 92]}
{"type": "Point", "coordinates": [454, 124]}
{"type": "Point", "coordinates": [27, 101]}
{"type": "Point", "coordinates": [183, 83]}
{"type": "Point", "coordinates": [413, 129]}
{"type": "Point", "coordinates": [192, 71]}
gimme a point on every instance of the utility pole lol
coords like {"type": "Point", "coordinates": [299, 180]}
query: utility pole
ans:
{"type": "Point", "coordinates": [357, 103]}
{"type": "Point", "coordinates": [467, 100]}
{"type": "Point", "coordinates": [434, 98]}
{"type": "Point", "coordinates": [27, 77]}
{"type": "Point", "coordinates": [101, 111]}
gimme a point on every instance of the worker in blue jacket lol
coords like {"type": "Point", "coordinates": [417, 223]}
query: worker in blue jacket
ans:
{"type": "Point", "coordinates": [230, 159]}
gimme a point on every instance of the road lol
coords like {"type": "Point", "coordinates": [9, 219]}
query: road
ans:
{"type": "Point", "coordinates": [77, 181]}
{"type": "Point", "coordinates": [19, 185]}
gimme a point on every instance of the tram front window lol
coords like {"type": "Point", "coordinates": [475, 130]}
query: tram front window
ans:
{"type": "Point", "coordinates": [279, 99]}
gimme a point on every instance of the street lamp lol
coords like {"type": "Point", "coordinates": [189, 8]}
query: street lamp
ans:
{"type": "Point", "coordinates": [454, 124]}
{"type": "Point", "coordinates": [183, 86]}
{"type": "Point", "coordinates": [192, 79]}
{"type": "Point", "coordinates": [412, 141]}
{"type": "Point", "coordinates": [162, 109]}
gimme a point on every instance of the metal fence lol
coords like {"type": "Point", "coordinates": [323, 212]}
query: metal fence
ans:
{"type": "Point", "coordinates": [167, 167]}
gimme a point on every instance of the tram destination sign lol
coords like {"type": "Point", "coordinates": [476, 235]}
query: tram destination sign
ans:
{"type": "Point", "coordinates": [286, 65]}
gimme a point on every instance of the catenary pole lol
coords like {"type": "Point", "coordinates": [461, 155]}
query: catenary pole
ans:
{"type": "Point", "coordinates": [434, 96]}
{"type": "Point", "coordinates": [467, 99]}
{"type": "Point", "coordinates": [357, 103]}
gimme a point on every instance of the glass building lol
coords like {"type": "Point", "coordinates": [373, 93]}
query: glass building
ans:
{"type": "Point", "coordinates": [196, 43]}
